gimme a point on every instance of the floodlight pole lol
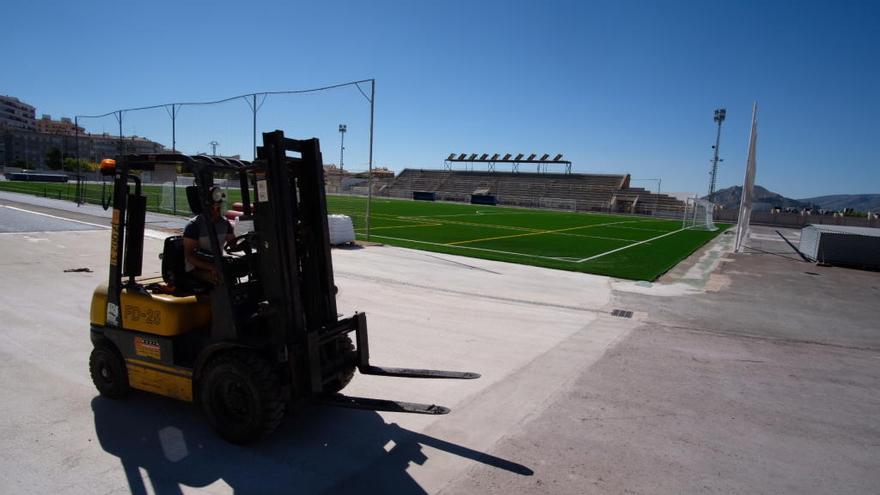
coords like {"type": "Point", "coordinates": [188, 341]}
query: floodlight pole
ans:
{"type": "Point", "coordinates": [342, 129]}
{"type": "Point", "coordinates": [720, 114]}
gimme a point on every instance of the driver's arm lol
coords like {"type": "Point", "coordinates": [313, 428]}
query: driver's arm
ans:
{"type": "Point", "coordinates": [230, 234]}
{"type": "Point", "coordinates": [189, 252]}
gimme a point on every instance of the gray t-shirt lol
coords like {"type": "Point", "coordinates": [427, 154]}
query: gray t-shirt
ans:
{"type": "Point", "coordinates": [197, 229]}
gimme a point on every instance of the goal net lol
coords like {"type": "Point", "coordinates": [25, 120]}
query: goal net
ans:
{"type": "Point", "coordinates": [558, 204]}
{"type": "Point", "coordinates": [699, 215]}
{"type": "Point", "coordinates": [168, 201]}
{"type": "Point", "coordinates": [172, 198]}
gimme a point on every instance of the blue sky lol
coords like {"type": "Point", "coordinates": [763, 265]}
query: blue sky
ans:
{"type": "Point", "coordinates": [616, 86]}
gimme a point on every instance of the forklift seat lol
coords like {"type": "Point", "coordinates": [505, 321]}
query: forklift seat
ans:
{"type": "Point", "coordinates": [174, 269]}
{"type": "Point", "coordinates": [173, 261]}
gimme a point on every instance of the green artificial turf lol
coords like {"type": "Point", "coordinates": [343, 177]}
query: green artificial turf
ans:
{"type": "Point", "coordinates": [545, 238]}
{"type": "Point", "coordinates": [592, 243]}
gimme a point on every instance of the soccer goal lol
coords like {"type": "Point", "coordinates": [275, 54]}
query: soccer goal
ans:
{"type": "Point", "coordinates": [168, 202]}
{"type": "Point", "coordinates": [698, 214]}
{"type": "Point", "coordinates": [558, 204]}
{"type": "Point", "coordinates": [172, 198]}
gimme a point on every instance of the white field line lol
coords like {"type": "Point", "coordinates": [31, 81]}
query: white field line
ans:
{"type": "Point", "coordinates": [522, 229]}
{"type": "Point", "coordinates": [401, 226]}
{"type": "Point", "coordinates": [644, 229]}
{"type": "Point", "coordinates": [567, 234]}
{"type": "Point", "coordinates": [473, 224]}
{"type": "Point", "coordinates": [617, 239]}
{"type": "Point", "coordinates": [472, 248]}
{"type": "Point", "coordinates": [539, 232]}
{"type": "Point", "coordinates": [629, 246]}
{"type": "Point", "coordinates": [155, 234]}
{"type": "Point", "coordinates": [55, 217]}
{"type": "Point", "coordinates": [35, 232]}
{"type": "Point", "coordinates": [478, 212]}
{"type": "Point", "coordinates": [516, 228]}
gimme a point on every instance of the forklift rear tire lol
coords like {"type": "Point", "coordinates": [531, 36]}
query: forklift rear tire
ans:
{"type": "Point", "coordinates": [108, 372]}
{"type": "Point", "coordinates": [241, 396]}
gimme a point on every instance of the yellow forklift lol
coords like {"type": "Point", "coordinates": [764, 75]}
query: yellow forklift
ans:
{"type": "Point", "coordinates": [267, 335]}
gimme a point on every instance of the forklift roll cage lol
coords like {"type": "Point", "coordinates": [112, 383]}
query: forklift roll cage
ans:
{"type": "Point", "coordinates": [286, 306]}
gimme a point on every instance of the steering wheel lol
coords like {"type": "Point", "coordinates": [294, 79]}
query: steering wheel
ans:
{"type": "Point", "coordinates": [238, 245]}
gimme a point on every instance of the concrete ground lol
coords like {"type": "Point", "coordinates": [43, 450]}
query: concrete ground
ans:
{"type": "Point", "coordinates": [752, 373]}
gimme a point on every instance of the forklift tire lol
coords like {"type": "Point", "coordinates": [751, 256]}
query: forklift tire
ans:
{"type": "Point", "coordinates": [108, 372]}
{"type": "Point", "coordinates": [241, 396]}
{"type": "Point", "coordinates": [346, 346]}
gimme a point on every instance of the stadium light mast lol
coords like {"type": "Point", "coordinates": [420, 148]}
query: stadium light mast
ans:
{"type": "Point", "coordinates": [342, 129]}
{"type": "Point", "coordinates": [720, 114]}
{"type": "Point", "coordinates": [214, 145]}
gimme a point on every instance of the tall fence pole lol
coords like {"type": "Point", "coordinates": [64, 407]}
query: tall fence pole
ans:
{"type": "Point", "coordinates": [121, 138]}
{"type": "Point", "coordinates": [370, 172]}
{"type": "Point", "coordinates": [76, 190]}
{"type": "Point", "coordinates": [174, 129]}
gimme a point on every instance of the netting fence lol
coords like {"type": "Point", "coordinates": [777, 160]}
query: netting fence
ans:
{"type": "Point", "coordinates": [231, 127]}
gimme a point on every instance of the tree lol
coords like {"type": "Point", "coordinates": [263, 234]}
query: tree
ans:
{"type": "Point", "coordinates": [53, 159]}
{"type": "Point", "coordinates": [70, 164]}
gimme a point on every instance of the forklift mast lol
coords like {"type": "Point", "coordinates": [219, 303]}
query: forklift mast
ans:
{"type": "Point", "coordinates": [291, 219]}
{"type": "Point", "coordinates": [296, 270]}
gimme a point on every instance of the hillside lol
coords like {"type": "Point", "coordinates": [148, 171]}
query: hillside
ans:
{"type": "Point", "coordinates": [860, 202]}
{"type": "Point", "coordinates": [764, 200]}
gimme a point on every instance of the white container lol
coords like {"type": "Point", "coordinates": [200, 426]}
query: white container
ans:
{"type": "Point", "coordinates": [341, 229]}
{"type": "Point", "coordinates": [857, 247]}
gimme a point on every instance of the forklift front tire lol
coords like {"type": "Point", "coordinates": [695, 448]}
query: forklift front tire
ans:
{"type": "Point", "coordinates": [241, 397]}
{"type": "Point", "coordinates": [346, 349]}
{"type": "Point", "coordinates": [108, 372]}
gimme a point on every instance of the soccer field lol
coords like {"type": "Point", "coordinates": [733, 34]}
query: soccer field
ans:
{"type": "Point", "coordinates": [622, 246]}
{"type": "Point", "coordinates": [617, 245]}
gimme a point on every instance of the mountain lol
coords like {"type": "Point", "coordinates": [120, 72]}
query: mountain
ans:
{"type": "Point", "coordinates": [837, 202]}
{"type": "Point", "coordinates": [763, 199]}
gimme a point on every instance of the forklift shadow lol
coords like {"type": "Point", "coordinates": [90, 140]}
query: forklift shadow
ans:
{"type": "Point", "coordinates": [318, 449]}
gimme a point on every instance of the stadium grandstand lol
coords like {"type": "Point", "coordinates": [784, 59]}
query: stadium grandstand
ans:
{"type": "Point", "coordinates": [541, 189]}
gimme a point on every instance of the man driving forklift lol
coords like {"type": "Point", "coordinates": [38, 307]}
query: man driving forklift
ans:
{"type": "Point", "coordinates": [200, 268]}
{"type": "Point", "coordinates": [265, 339]}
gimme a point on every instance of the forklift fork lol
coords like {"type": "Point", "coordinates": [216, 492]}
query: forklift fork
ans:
{"type": "Point", "coordinates": [364, 366]}
{"type": "Point", "coordinates": [358, 324]}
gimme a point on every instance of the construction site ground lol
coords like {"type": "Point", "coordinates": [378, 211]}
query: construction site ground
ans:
{"type": "Point", "coordinates": [736, 373]}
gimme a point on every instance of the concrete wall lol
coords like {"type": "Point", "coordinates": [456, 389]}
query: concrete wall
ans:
{"type": "Point", "coordinates": [795, 220]}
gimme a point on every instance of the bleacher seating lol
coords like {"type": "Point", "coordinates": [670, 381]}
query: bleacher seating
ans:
{"type": "Point", "coordinates": [588, 192]}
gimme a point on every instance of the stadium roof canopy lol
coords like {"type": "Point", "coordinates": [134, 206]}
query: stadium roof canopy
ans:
{"type": "Point", "coordinates": [542, 163]}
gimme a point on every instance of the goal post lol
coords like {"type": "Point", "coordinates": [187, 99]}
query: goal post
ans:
{"type": "Point", "coordinates": [168, 201]}
{"type": "Point", "coordinates": [698, 214]}
{"type": "Point", "coordinates": [558, 204]}
{"type": "Point", "coordinates": [704, 215]}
